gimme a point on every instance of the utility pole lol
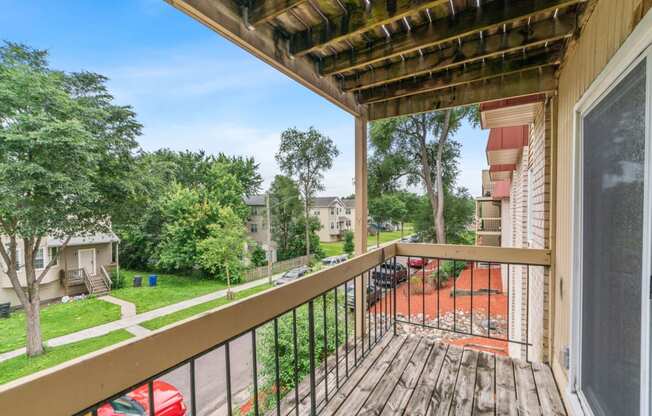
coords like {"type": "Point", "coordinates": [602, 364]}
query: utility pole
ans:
{"type": "Point", "coordinates": [269, 239]}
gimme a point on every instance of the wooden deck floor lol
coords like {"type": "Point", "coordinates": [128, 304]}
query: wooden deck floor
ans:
{"type": "Point", "coordinates": [412, 375]}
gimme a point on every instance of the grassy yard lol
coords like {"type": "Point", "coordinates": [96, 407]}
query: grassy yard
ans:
{"type": "Point", "coordinates": [21, 366]}
{"type": "Point", "coordinates": [162, 321]}
{"type": "Point", "coordinates": [336, 248]}
{"type": "Point", "coordinates": [170, 289]}
{"type": "Point", "coordinates": [57, 320]}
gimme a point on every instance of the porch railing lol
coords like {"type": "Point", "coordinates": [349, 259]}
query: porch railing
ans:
{"type": "Point", "coordinates": [489, 224]}
{"type": "Point", "coordinates": [329, 314]}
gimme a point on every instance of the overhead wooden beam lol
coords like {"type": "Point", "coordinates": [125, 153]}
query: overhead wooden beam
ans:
{"type": "Point", "coordinates": [359, 19]}
{"type": "Point", "coordinates": [467, 22]}
{"type": "Point", "coordinates": [515, 85]}
{"type": "Point", "coordinates": [224, 18]}
{"type": "Point", "coordinates": [462, 75]}
{"type": "Point", "coordinates": [539, 34]}
{"type": "Point", "coordinates": [265, 10]}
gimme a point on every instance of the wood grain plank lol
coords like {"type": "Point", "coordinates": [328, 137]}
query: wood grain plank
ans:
{"type": "Point", "coordinates": [484, 403]}
{"type": "Point", "coordinates": [406, 385]}
{"type": "Point", "coordinates": [371, 361]}
{"type": "Point", "coordinates": [418, 403]}
{"type": "Point", "coordinates": [444, 389]}
{"type": "Point", "coordinates": [462, 403]}
{"type": "Point", "coordinates": [551, 403]}
{"type": "Point", "coordinates": [387, 362]}
{"type": "Point", "coordinates": [376, 401]}
{"type": "Point", "coordinates": [526, 391]}
{"type": "Point", "coordinates": [505, 387]}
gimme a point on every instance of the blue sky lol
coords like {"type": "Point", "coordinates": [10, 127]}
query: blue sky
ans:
{"type": "Point", "coordinates": [191, 88]}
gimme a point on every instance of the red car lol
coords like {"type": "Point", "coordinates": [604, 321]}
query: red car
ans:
{"type": "Point", "coordinates": [168, 401]}
{"type": "Point", "coordinates": [417, 262]}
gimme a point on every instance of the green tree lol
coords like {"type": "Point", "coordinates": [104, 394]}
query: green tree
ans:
{"type": "Point", "coordinates": [65, 157]}
{"type": "Point", "coordinates": [221, 252]}
{"type": "Point", "coordinates": [349, 245]}
{"type": "Point", "coordinates": [459, 214]}
{"type": "Point", "coordinates": [419, 148]}
{"type": "Point", "coordinates": [258, 256]}
{"type": "Point", "coordinates": [306, 156]}
{"type": "Point", "coordinates": [386, 208]}
{"type": "Point", "coordinates": [286, 210]}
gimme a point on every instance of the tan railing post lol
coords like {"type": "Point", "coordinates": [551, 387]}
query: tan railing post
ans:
{"type": "Point", "coordinates": [360, 231]}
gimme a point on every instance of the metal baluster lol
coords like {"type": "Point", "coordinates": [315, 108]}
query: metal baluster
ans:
{"type": "Point", "coordinates": [325, 352]}
{"type": "Point", "coordinates": [472, 277]}
{"type": "Point", "coordinates": [454, 297]}
{"type": "Point", "coordinates": [277, 371]}
{"type": "Point", "coordinates": [375, 312]}
{"type": "Point", "coordinates": [355, 322]}
{"type": "Point", "coordinates": [489, 303]}
{"type": "Point", "coordinates": [438, 297]}
{"type": "Point", "coordinates": [311, 356]}
{"type": "Point", "coordinates": [150, 397]}
{"type": "Point", "coordinates": [227, 362]}
{"type": "Point", "coordinates": [296, 361]}
{"type": "Point", "coordinates": [346, 326]}
{"type": "Point", "coordinates": [337, 344]}
{"type": "Point", "coordinates": [409, 295]}
{"type": "Point", "coordinates": [193, 389]}
{"type": "Point", "coordinates": [254, 370]}
{"type": "Point", "coordinates": [394, 298]}
{"type": "Point", "coordinates": [423, 293]}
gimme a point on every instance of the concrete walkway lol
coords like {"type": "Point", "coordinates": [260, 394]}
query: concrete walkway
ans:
{"type": "Point", "coordinates": [132, 323]}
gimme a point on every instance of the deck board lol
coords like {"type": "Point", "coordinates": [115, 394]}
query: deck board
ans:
{"type": "Point", "coordinates": [417, 376]}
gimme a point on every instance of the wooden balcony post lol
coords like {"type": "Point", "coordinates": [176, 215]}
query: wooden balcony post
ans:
{"type": "Point", "coordinates": [360, 231]}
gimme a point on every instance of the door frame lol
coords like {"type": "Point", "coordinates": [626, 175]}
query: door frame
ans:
{"type": "Point", "coordinates": [94, 251]}
{"type": "Point", "coordinates": [636, 48]}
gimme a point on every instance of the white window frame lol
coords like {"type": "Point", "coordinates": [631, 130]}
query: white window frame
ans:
{"type": "Point", "coordinates": [43, 258]}
{"type": "Point", "coordinates": [637, 47]}
{"type": "Point", "coordinates": [254, 228]}
{"type": "Point", "coordinates": [51, 256]}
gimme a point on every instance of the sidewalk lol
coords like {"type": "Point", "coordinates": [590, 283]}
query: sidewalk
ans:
{"type": "Point", "coordinates": [131, 323]}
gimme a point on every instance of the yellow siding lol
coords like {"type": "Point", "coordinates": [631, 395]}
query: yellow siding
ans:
{"type": "Point", "coordinates": [607, 27]}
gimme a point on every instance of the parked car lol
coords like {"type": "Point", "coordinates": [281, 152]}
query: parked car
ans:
{"type": "Point", "coordinates": [168, 401]}
{"type": "Point", "coordinates": [292, 275]}
{"type": "Point", "coordinates": [332, 261]}
{"type": "Point", "coordinates": [417, 262]}
{"type": "Point", "coordinates": [390, 274]}
{"type": "Point", "coordinates": [373, 295]}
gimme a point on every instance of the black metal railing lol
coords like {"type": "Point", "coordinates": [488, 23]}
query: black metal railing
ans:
{"type": "Point", "coordinates": [337, 343]}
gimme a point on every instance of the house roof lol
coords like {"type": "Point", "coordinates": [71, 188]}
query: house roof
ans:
{"type": "Point", "coordinates": [325, 201]}
{"type": "Point", "coordinates": [100, 238]}
{"type": "Point", "coordinates": [255, 200]}
{"type": "Point", "coordinates": [349, 202]}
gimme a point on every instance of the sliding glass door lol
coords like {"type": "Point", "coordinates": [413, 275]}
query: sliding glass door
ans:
{"type": "Point", "coordinates": [613, 218]}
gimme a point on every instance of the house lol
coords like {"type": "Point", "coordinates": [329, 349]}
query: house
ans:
{"type": "Point", "coordinates": [257, 224]}
{"type": "Point", "coordinates": [333, 217]}
{"type": "Point", "coordinates": [572, 83]}
{"type": "Point", "coordinates": [83, 267]}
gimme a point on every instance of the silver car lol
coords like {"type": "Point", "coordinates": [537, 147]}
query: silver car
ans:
{"type": "Point", "coordinates": [292, 275]}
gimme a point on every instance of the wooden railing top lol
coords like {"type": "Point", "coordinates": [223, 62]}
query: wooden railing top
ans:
{"type": "Point", "coordinates": [85, 381]}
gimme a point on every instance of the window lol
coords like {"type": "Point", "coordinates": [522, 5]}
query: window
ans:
{"type": "Point", "coordinates": [348, 211]}
{"type": "Point", "coordinates": [254, 228]}
{"type": "Point", "coordinates": [19, 256]}
{"type": "Point", "coordinates": [39, 260]}
{"type": "Point", "coordinates": [332, 211]}
{"type": "Point", "coordinates": [52, 253]}
{"type": "Point", "coordinates": [332, 225]}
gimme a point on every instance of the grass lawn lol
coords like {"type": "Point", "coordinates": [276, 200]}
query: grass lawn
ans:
{"type": "Point", "coordinates": [57, 320]}
{"type": "Point", "coordinates": [170, 289]}
{"type": "Point", "coordinates": [21, 366]}
{"type": "Point", "coordinates": [162, 321]}
{"type": "Point", "coordinates": [336, 248]}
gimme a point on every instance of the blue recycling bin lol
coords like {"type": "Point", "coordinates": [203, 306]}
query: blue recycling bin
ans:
{"type": "Point", "coordinates": [152, 280]}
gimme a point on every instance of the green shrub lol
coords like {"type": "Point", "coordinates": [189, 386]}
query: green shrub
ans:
{"type": "Point", "coordinates": [258, 256]}
{"type": "Point", "coordinates": [118, 280]}
{"type": "Point", "coordinates": [451, 268]}
{"type": "Point", "coordinates": [348, 246]}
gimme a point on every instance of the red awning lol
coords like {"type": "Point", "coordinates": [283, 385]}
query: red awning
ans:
{"type": "Point", "coordinates": [501, 189]}
{"type": "Point", "coordinates": [505, 144]}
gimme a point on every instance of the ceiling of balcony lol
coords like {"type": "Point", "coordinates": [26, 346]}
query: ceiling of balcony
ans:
{"type": "Point", "coordinates": [393, 57]}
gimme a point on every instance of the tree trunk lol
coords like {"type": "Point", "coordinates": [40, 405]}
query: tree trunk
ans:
{"type": "Point", "coordinates": [378, 236]}
{"type": "Point", "coordinates": [401, 229]}
{"type": "Point", "coordinates": [33, 325]}
{"type": "Point", "coordinates": [427, 179]}
{"type": "Point", "coordinates": [440, 225]}
{"type": "Point", "coordinates": [307, 228]}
